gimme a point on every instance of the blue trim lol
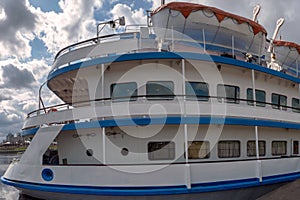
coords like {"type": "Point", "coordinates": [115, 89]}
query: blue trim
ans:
{"type": "Point", "coordinates": [174, 121]}
{"type": "Point", "coordinates": [171, 55]}
{"type": "Point", "coordinates": [163, 190]}
{"type": "Point", "coordinates": [31, 131]}
{"type": "Point", "coordinates": [182, 120]}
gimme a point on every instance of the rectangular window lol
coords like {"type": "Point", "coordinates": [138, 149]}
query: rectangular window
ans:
{"type": "Point", "coordinates": [296, 105]}
{"type": "Point", "coordinates": [229, 149]}
{"type": "Point", "coordinates": [279, 101]}
{"type": "Point", "coordinates": [260, 97]}
{"type": "Point", "coordinates": [161, 150]}
{"type": "Point", "coordinates": [228, 93]}
{"type": "Point", "coordinates": [197, 90]}
{"type": "Point", "coordinates": [198, 150]}
{"type": "Point", "coordinates": [295, 147]}
{"type": "Point", "coordinates": [156, 90]}
{"type": "Point", "coordinates": [251, 148]}
{"type": "Point", "coordinates": [279, 148]}
{"type": "Point", "coordinates": [123, 91]}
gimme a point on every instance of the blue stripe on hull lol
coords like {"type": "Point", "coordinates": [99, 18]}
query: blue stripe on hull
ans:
{"type": "Point", "coordinates": [142, 191]}
{"type": "Point", "coordinates": [175, 121]}
{"type": "Point", "coordinates": [171, 55]}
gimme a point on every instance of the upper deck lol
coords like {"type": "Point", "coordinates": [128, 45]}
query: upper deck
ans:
{"type": "Point", "coordinates": [184, 27]}
{"type": "Point", "coordinates": [241, 41]}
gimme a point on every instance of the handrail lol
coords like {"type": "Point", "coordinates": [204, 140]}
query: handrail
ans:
{"type": "Point", "coordinates": [94, 40]}
{"type": "Point", "coordinates": [240, 52]}
{"type": "Point", "coordinates": [168, 98]}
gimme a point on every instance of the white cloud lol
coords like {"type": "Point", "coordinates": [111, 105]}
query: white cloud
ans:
{"type": "Point", "coordinates": [16, 25]}
{"type": "Point", "coordinates": [75, 23]}
{"type": "Point", "coordinates": [2, 14]}
{"type": "Point", "coordinates": [131, 16]}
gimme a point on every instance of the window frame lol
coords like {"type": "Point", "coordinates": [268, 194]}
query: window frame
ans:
{"type": "Point", "coordinates": [233, 156]}
{"type": "Point", "coordinates": [279, 154]}
{"type": "Point", "coordinates": [225, 98]}
{"type": "Point", "coordinates": [194, 95]}
{"type": "Point", "coordinates": [157, 96]}
{"type": "Point", "coordinates": [258, 103]}
{"type": "Point", "coordinates": [124, 98]}
{"type": "Point", "coordinates": [152, 154]}
{"type": "Point", "coordinates": [296, 108]}
{"type": "Point", "coordinates": [206, 149]}
{"type": "Point", "coordinates": [278, 105]}
{"type": "Point", "coordinates": [259, 147]}
{"type": "Point", "coordinates": [295, 147]}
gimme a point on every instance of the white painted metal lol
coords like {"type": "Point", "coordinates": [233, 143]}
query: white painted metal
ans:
{"type": "Point", "coordinates": [137, 169]}
{"type": "Point", "coordinates": [256, 11]}
{"type": "Point", "coordinates": [40, 143]}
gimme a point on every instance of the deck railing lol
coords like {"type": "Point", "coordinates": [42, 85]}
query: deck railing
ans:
{"type": "Point", "coordinates": [155, 98]}
{"type": "Point", "coordinates": [149, 39]}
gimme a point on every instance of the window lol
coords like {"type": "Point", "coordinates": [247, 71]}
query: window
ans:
{"type": "Point", "coordinates": [279, 148]}
{"type": "Point", "coordinates": [124, 91]}
{"type": "Point", "coordinates": [160, 90]}
{"type": "Point", "coordinates": [279, 101]}
{"type": "Point", "coordinates": [260, 97]}
{"type": "Point", "coordinates": [229, 149]}
{"type": "Point", "coordinates": [197, 90]}
{"type": "Point", "coordinates": [296, 105]}
{"type": "Point", "coordinates": [228, 93]}
{"type": "Point", "coordinates": [295, 147]}
{"type": "Point", "coordinates": [198, 150]}
{"type": "Point", "coordinates": [161, 150]}
{"type": "Point", "coordinates": [251, 148]}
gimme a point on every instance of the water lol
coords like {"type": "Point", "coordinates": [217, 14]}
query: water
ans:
{"type": "Point", "coordinates": [7, 192]}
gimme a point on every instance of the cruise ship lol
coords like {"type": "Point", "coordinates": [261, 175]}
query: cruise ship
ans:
{"type": "Point", "coordinates": [198, 103]}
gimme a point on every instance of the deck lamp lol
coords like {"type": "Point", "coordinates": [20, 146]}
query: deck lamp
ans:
{"type": "Point", "coordinates": [112, 23]}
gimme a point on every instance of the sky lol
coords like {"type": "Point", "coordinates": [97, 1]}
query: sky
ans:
{"type": "Point", "coordinates": [33, 31]}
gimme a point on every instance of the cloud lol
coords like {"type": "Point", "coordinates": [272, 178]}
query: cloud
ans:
{"type": "Point", "coordinates": [16, 25]}
{"type": "Point", "coordinates": [76, 22]}
{"type": "Point", "coordinates": [13, 77]}
{"type": "Point", "coordinates": [3, 97]}
{"type": "Point", "coordinates": [131, 16]}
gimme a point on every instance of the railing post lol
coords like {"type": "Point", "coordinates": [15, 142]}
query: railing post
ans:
{"type": "Point", "coordinates": [187, 166]}
{"type": "Point", "coordinates": [103, 146]}
{"type": "Point", "coordinates": [253, 87]}
{"type": "Point", "coordinates": [204, 40]}
{"type": "Point", "coordinates": [102, 81]}
{"type": "Point", "coordinates": [232, 43]}
{"type": "Point", "coordinates": [297, 69]}
{"type": "Point", "coordinates": [172, 50]}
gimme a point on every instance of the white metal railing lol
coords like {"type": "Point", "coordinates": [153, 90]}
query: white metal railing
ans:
{"type": "Point", "coordinates": [88, 110]}
{"type": "Point", "coordinates": [146, 40]}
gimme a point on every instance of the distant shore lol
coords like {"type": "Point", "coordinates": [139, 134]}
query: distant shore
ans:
{"type": "Point", "coordinates": [12, 150]}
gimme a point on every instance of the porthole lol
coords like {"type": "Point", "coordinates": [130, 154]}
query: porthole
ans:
{"type": "Point", "coordinates": [89, 152]}
{"type": "Point", "coordinates": [124, 151]}
{"type": "Point", "coordinates": [47, 174]}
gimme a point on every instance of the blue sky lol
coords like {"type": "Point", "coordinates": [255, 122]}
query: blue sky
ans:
{"type": "Point", "coordinates": [33, 31]}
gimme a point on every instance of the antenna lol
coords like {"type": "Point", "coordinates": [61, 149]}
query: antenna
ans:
{"type": "Point", "coordinates": [256, 11]}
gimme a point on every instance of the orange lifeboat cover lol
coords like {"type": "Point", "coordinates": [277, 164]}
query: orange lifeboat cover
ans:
{"type": "Point", "coordinates": [187, 8]}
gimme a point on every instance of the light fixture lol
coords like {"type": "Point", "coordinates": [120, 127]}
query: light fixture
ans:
{"type": "Point", "coordinates": [112, 23]}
